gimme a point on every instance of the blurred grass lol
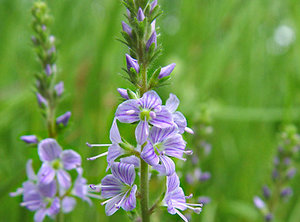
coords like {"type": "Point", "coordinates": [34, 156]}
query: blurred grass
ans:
{"type": "Point", "coordinates": [223, 56]}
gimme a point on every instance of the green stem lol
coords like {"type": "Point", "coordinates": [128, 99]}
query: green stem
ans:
{"type": "Point", "coordinates": [144, 185]}
{"type": "Point", "coordinates": [51, 124]}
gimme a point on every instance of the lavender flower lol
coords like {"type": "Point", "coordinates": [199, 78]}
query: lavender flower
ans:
{"type": "Point", "coordinates": [30, 139]}
{"type": "Point", "coordinates": [166, 71]}
{"type": "Point", "coordinates": [119, 189]}
{"type": "Point", "coordinates": [63, 119]}
{"type": "Point", "coordinates": [147, 109]}
{"type": "Point", "coordinates": [56, 162]}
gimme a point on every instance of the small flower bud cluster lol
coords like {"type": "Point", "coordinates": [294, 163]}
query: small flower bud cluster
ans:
{"type": "Point", "coordinates": [159, 128]}
{"type": "Point", "coordinates": [284, 170]}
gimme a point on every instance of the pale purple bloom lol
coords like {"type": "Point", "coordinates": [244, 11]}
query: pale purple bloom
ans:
{"type": "Point", "coordinates": [140, 15]}
{"type": "Point", "coordinates": [123, 93]}
{"type": "Point", "coordinates": [147, 109]}
{"type": "Point", "coordinates": [41, 100]}
{"type": "Point", "coordinates": [55, 162]}
{"type": "Point", "coordinates": [259, 203]}
{"type": "Point", "coordinates": [152, 39]}
{"type": "Point", "coordinates": [48, 70]}
{"type": "Point", "coordinates": [126, 28]}
{"type": "Point", "coordinates": [30, 139]}
{"type": "Point", "coordinates": [161, 144]}
{"type": "Point", "coordinates": [132, 63]}
{"type": "Point", "coordinates": [59, 88]}
{"type": "Point", "coordinates": [63, 119]}
{"type": "Point", "coordinates": [68, 204]}
{"type": "Point", "coordinates": [175, 200]}
{"type": "Point", "coordinates": [166, 71]}
{"type": "Point", "coordinates": [119, 189]}
{"type": "Point", "coordinates": [153, 5]}
{"type": "Point", "coordinates": [179, 119]}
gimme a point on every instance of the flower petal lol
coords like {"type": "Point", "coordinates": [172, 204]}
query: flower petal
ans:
{"type": "Point", "coordinates": [64, 179]}
{"type": "Point", "coordinates": [29, 171]}
{"type": "Point", "coordinates": [124, 172]}
{"type": "Point", "coordinates": [142, 132]}
{"type": "Point", "coordinates": [167, 166]}
{"type": "Point", "coordinates": [114, 151]}
{"type": "Point", "coordinates": [70, 159]}
{"type": "Point", "coordinates": [174, 146]}
{"type": "Point", "coordinates": [130, 202]}
{"type": "Point", "coordinates": [158, 135]}
{"type": "Point", "coordinates": [39, 216]}
{"type": "Point", "coordinates": [131, 160]}
{"type": "Point", "coordinates": [151, 101]}
{"type": "Point", "coordinates": [172, 103]}
{"type": "Point", "coordinates": [163, 119]}
{"type": "Point", "coordinates": [110, 207]}
{"type": "Point", "coordinates": [180, 121]}
{"type": "Point", "coordinates": [172, 182]}
{"type": "Point", "coordinates": [111, 186]}
{"type": "Point", "coordinates": [54, 208]}
{"type": "Point", "coordinates": [114, 133]}
{"type": "Point", "coordinates": [49, 149]}
{"type": "Point", "coordinates": [149, 156]}
{"type": "Point", "coordinates": [48, 190]}
{"type": "Point", "coordinates": [128, 111]}
{"type": "Point", "coordinates": [46, 174]}
{"type": "Point", "coordinates": [68, 204]}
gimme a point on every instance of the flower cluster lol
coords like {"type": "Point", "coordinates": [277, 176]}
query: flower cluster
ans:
{"type": "Point", "coordinates": [52, 190]}
{"type": "Point", "coordinates": [284, 170]}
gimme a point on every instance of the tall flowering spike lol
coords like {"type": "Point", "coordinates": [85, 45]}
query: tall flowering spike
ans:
{"type": "Point", "coordinates": [119, 189]}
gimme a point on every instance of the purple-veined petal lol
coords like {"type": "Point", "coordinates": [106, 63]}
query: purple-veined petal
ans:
{"type": "Point", "coordinates": [114, 133]}
{"type": "Point", "coordinates": [128, 111]}
{"type": "Point", "coordinates": [151, 100]}
{"type": "Point", "coordinates": [172, 182]}
{"type": "Point", "coordinates": [114, 151]}
{"type": "Point", "coordinates": [30, 139]}
{"type": "Point", "coordinates": [49, 149]}
{"type": "Point", "coordinates": [177, 198]}
{"type": "Point", "coordinates": [68, 204]}
{"type": "Point", "coordinates": [54, 208]}
{"type": "Point", "coordinates": [172, 103]}
{"type": "Point", "coordinates": [46, 174]}
{"type": "Point", "coordinates": [48, 190]}
{"type": "Point", "coordinates": [131, 160]}
{"type": "Point", "coordinates": [32, 199]}
{"type": "Point", "coordinates": [28, 188]}
{"type": "Point", "coordinates": [130, 202]}
{"type": "Point", "coordinates": [158, 135]}
{"type": "Point", "coordinates": [111, 186]}
{"type": "Point", "coordinates": [123, 93]}
{"type": "Point", "coordinates": [39, 216]}
{"type": "Point", "coordinates": [180, 121]}
{"type": "Point", "coordinates": [163, 119]}
{"type": "Point", "coordinates": [64, 179]}
{"type": "Point", "coordinates": [110, 207]}
{"type": "Point", "coordinates": [124, 172]}
{"type": "Point", "coordinates": [142, 132]}
{"type": "Point", "coordinates": [70, 159]}
{"type": "Point", "coordinates": [168, 165]}
{"type": "Point", "coordinates": [29, 171]}
{"type": "Point", "coordinates": [149, 156]}
{"type": "Point", "coordinates": [166, 71]}
{"type": "Point", "coordinates": [174, 146]}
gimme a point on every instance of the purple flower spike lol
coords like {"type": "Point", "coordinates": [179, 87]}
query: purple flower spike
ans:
{"type": "Point", "coordinates": [41, 100]}
{"type": "Point", "coordinates": [63, 119]}
{"type": "Point", "coordinates": [118, 188]}
{"type": "Point", "coordinates": [166, 71]}
{"type": "Point", "coordinates": [30, 139]}
{"type": "Point", "coordinates": [175, 199]}
{"type": "Point", "coordinates": [259, 203]}
{"type": "Point", "coordinates": [126, 28]}
{"type": "Point", "coordinates": [123, 93]}
{"type": "Point", "coordinates": [132, 63]}
{"type": "Point", "coordinates": [48, 70]}
{"type": "Point", "coordinates": [152, 39]}
{"type": "Point", "coordinates": [153, 5]}
{"type": "Point", "coordinates": [59, 88]}
{"type": "Point", "coordinates": [140, 15]}
{"type": "Point", "coordinates": [147, 109]}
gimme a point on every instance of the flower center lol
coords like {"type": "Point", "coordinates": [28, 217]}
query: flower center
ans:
{"type": "Point", "coordinates": [145, 114]}
{"type": "Point", "coordinates": [158, 148]}
{"type": "Point", "coordinates": [56, 164]}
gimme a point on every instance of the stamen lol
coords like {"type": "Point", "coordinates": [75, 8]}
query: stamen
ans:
{"type": "Point", "coordinates": [188, 130]}
{"type": "Point", "coordinates": [189, 196]}
{"type": "Point", "coordinates": [94, 187]}
{"type": "Point", "coordinates": [152, 114]}
{"type": "Point", "coordinates": [118, 205]}
{"type": "Point", "coordinates": [130, 112]}
{"type": "Point", "coordinates": [196, 205]}
{"type": "Point", "coordinates": [93, 145]}
{"type": "Point", "coordinates": [96, 157]}
{"type": "Point", "coordinates": [105, 202]}
{"type": "Point", "coordinates": [24, 204]}
{"type": "Point", "coordinates": [181, 215]}
{"type": "Point", "coordinates": [188, 152]}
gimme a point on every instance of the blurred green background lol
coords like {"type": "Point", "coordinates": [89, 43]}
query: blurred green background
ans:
{"type": "Point", "coordinates": [239, 58]}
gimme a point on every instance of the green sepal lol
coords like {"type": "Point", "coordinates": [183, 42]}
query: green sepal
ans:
{"type": "Point", "coordinates": [131, 94]}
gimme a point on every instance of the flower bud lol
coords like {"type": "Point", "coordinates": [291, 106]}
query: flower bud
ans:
{"type": "Point", "coordinates": [259, 203]}
{"type": "Point", "coordinates": [126, 28]}
{"type": "Point", "coordinates": [41, 100]}
{"type": "Point", "coordinates": [153, 5]}
{"type": "Point", "coordinates": [140, 15]}
{"type": "Point", "coordinates": [30, 139]}
{"type": "Point", "coordinates": [269, 217]}
{"type": "Point", "coordinates": [59, 88]}
{"type": "Point", "coordinates": [286, 192]}
{"type": "Point", "coordinates": [152, 39]}
{"type": "Point", "coordinates": [167, 70]}
{"type": "Point", "coordinates": [132, 63]}
{"type": "Point", "coordinates": [64, 119]}
{"type": "Point", "coordinates": [266, 192]}
{"type": "Point", "coordinates": [123, 93]}
{"type": "Point", "coordinates": [291, 173]}
{"type": "Point", "coordinates": [48, 70]}
{"type": "Point", "coordinates": [205, 176]}
{"type": "Point", "coordinates": [204, 200]}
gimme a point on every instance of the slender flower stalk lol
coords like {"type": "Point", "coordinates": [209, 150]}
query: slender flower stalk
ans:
{"type": "Point", "coordinates": [284, 170]}
{"type": "Point", "coordinates": [159, 127]}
